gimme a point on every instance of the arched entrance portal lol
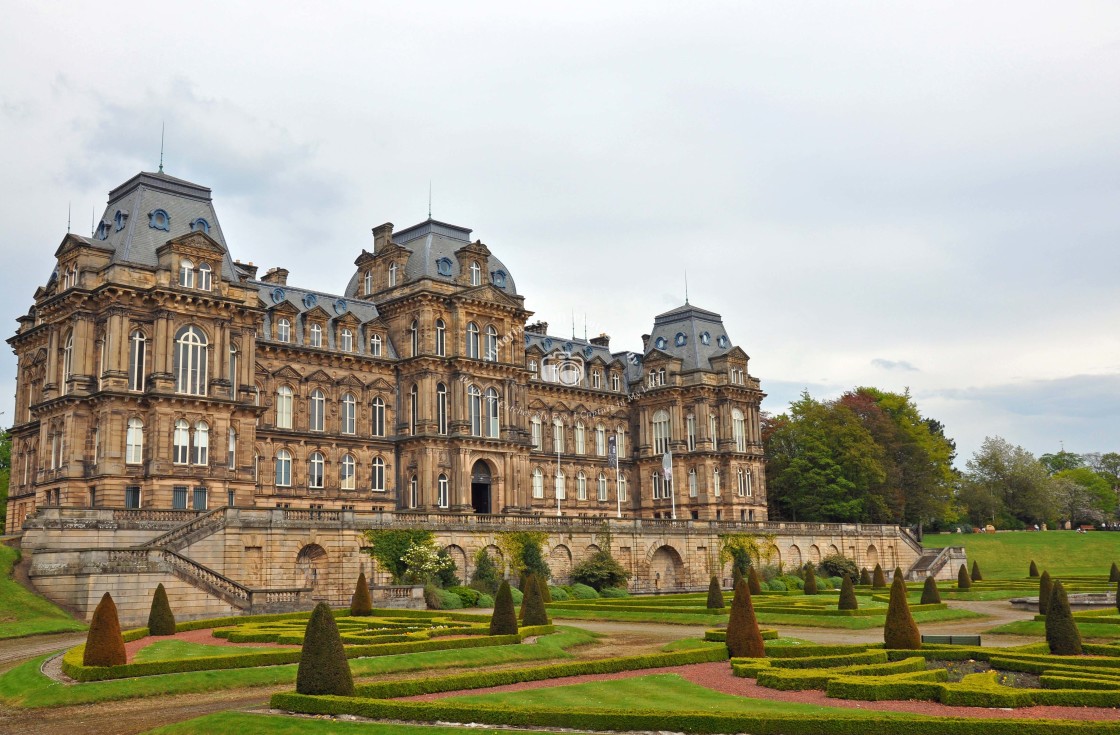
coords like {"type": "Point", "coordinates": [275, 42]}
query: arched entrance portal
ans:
{"type": "Point", "coordinates": [311, 564]}
{"type": "Point", "coordinates": [480, 487]}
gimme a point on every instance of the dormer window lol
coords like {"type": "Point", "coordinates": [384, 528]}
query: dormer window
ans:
{"type": "Point", "coordinates": [680, 339]}
{"type": "Point", "coordinates": [186, 273]}
{"type": "Point", "coordinates": [705, 338]}
{"type": "Point", "coordinates": [119, 219]}
{"type": "Point", "coordinates": [316, 335]}
{"type": "Point", "coordinates": [723, 341]}
{"type": "Point", "coordinates": [476, 273]}
{"type": "Point", "coordinates": [661, 343]}
{"type": "Point", "coordinates": [347, 340]}
{"type": "Point", "coordinates": [443, 266]}
{"type": "Point", "coordinates": [158, 219]}
{"type": "Point", "coordinates": [283, 330]}
{"type": "Point", "coordinates": [200, 225]}
{"type": "Point", "coordinates": [392, 274]}
{"type": "Point", "coordinates": [614, 382]}
{"type": "Point", "coordinates": [375, 345]}
{"type": "Point", "coordinates": [498, 278]}
{"type": "Point", "coordinates": [204, 277]}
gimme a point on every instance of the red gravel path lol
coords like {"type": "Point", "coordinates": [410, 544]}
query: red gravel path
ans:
{"type": "Point", "coordinates": [189, 636]}
{"type": "Point", "coordinates": [718, 676]}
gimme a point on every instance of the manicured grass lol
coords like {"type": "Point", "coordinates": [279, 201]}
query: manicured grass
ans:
{"type": "Point", "coordinates": [865, 623]}
{"type": "Point", "coordinates": [26, 686]}
{"type": "Point", "coordinates": [639, 617]}
{"type": "Point", "coordinates": [1038, 628]}
{"type": "Point", "coordinates": [247, 724]}
{"type": "Point", "coordinates": [23, 613]}
{"type": "Point", "coordinates": [171, 650]}
{"type": "Point", "coordinates": [1007, 555]}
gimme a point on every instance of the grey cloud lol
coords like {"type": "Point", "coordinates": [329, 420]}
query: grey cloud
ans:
{"type": "Point", "coordinates": [1072, 397]}
{"type": "Point", "coordinates": [893, 365]}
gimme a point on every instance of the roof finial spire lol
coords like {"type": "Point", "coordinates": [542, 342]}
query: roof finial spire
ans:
{"type": "Point", "coordinates": [91, 228]}
{"type": "Point", "coordinates": [686, 286]}
{"type": "Point", "coordinates": [573, 323]}
{"type": "Point", "coordinates": [162, 127]}
{"type": "Point", "coordinates": [429, 198]}
{"type": "Point", "coordinates": [67, 218]}
{"type": "Point", "coordinates": [585, 326]}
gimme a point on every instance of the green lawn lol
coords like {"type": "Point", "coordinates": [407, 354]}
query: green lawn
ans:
{"type": "Point", "coordinates": [23, 613]}
{"type": "Point", "coordinates": [1103, 631]}
{"type": "Point", "coordinates": [172, 650]}
{"type": "Point", "coordinates": [856, 623]}
{"type": "Point", "coordinates": [247, 724]}
{"type": "Point", "coordinates": [1007, 555]}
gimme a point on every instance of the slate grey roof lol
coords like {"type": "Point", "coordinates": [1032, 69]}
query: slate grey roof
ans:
{"type": "Point", "coordinates": [137, 198]}
{"type": "Point", "coordinates": [681, 332]}
{"type": "Point", "coordinates": [304, 301]}
{"type": "Point", "coordinates": [585, 350]}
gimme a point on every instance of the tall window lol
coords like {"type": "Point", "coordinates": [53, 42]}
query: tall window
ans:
{"type": "Point", "coordinates": [347, 341]}
{"type": "Point", "coordinates": [375, 345]}
{"type": "Point", "coordinates": [190, 361]}
{"type": "Point", "coordinates": [67, 361]}
{"type": "Point", "coordinates": [442, 498]}
{"type": "Point", "coordinates": [349, 414]}
{"type": "Point", "coordinates": [596, 379]}
{"type": "Point", "coordinates": [367, 282]}
{"type": "Point", "coordinates": [441, 408]}
{"type": "Point", "coordinates": [535, 429]}
{"type": "Point", "coordinates": [441, 338]}
{"type": "Point", "coordinates": [561, 486]}
{"type": "Point", "coordinates": [472, 340]}
{"type": "Point", "coordinates": [492, 422]}
{"type": "Point", "coordinates": [377, 477]}
{"type": "Point", "coordinates": [739, 430]}
{"type": "Point", "coordinates": [204, 277]}
{"type": "Point", "coordinates": [179, 497]}
{"type": "Point", "coordinates": [413, 492]}
{"type": "Point", "coordinates": [414, 338]}
{"type": "Point", "coordinates": [315, 470]}
{"type": "Point", "coordinates": [234, 383]}
{"type": "Point", "coordinates": [134, 442]}
{"type": "Point", "coordinates": [284, 407]}
{"type": "Point", "coordinates": [655, 483]}
{"type": "Point", "coordinates": [186, 274]}
{"type": "Point", "coordinates": [620, 442]}
{"type": "Point", "coordinates": [474, 409]}
{"type": "Point", "coordinates": [200, 498]}
{"type": "Point", "coordinates": [201, 453]}
{"type": "Point", "coordinates": [623, 488]}
{"type": "Point", "coordinates": [533, 370]}
{"type": "Point", "coordinates": [318, 406]}
{"type": "Point", "coordinates": [713, 430]}
{"type": "Point", "coordinates": [316, 335]}
{"type": "Point", "coordinates": [615, 383]}
{"type": "Point", "coordinates": [181, 442]}
{"type": "Point", "coordinates": [746, 487]}
{"type": "Point", "coordinates": [661, 432]}
{"type": "Point", "coordinates": [600, 441]}
{"type": "Point", "coordinates": [284, 468]}
{"type": "Point", "coordinates": [346, 470]}
{"type": "Point", "coordinates": [491, 343]}
{"type": "Point", "coordinates": [283, 330]}
{"type": "Point", "coordinates": [602, 489]}
{"type": "Point", "coordinates": [581, 438]}
{"type": "Point", "coordinates": [557, 436]}
{"type": "Point", "coordinates": [692, 485]}
{"type": "Point", "coordinates": [413, 409]}
{"type": "Point", "coordinates": [136, 355]}
{"type": "Point", "coordinates": [377, 427]}
{"type": "Point", "coordinates": [581, 486]}
{"type": "Point", "coordinates": [231, 449]}
{"type": "Point", "coordinates": [392, 274]}
{"type": "Point", "coordinates": [132, 497]}
{"type": "Point", "coordinates": [715, 482]}
{"type": "Point", "coordinates": [538, 483]}
{"type": "Point", "coordinates": [476, 274]}
{"type": "Point", "coordinates": [690, 430]}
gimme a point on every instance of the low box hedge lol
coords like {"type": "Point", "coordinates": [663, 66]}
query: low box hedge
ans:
{"type": "Point", "coordinates": [719, 635]}
{"type": "Point", "coordinates": [799, 679]}
{"type": "Point", "coordinates": [814, 650]}
{"type": "Point", "coordinates": [920, 685]}
{"type": "Point", "coordinates": [825, 662]}
{"type": "Point", "coordinates": [749, 668]}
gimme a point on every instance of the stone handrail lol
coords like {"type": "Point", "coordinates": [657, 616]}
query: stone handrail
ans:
{"type": "Point", "coordinates": [910, 539]}
{"type": "Point", "coordinates": [208, 580]}
{"type": "Point", "coordinates": [174, 539]}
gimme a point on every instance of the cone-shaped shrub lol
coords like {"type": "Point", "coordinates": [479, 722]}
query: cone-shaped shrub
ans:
{"type": "Point", "coordinates": [322, 662]}
{"type": "Point", "coordinates": [504, 619]}
{"type": "Point", "coordinates": [1045, 588]}
{"type": "Point", "coordinates": [964, 582]}
{"type": "Point", "coordinates": [523, 585]}
{"type": "Point", "coordinates": [546, 593]}
{"type": "Point", "coordinates": [715, 594]}
{"type": "Point", "coordinates": [754, 582]}
{"type": "Point", "coordinates": [1114, 573]}
{"type": "Point", "coordinates": [743, 637]}
{"type": "Point", "coordinates": [1118, 596]}
{"type": "Point", "coordinates": [848, 595]}
{"type": "Point", "coordinates": [1033, 572]}
{"type": "Point", "coordinates": [161, 621]}
{"type": "Point", "coordinates": [360, 603]}
{"type": "Point", "coordinates": [900, 630]}
{"type": "Point", "coordinates": [810, 581]}
{"type": "Point", "coordinates": [532, 605]}
{"type": "Point", "coordinates": [930, 594]}
{"type": "Point", "coordinates": [104, 644]}
{"type": "Point", "coordinates": [864, 576]}
{"type": "Point", "coordinates": [878, 579]}
{"type": "Point", "coordinates": [1061, 632]}
{"type": "Point", "coordinates": [976, 576]}
{"type": "Point", "coordinates": [736, 575]}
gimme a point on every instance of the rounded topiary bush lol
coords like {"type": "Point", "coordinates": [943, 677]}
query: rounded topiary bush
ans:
{"type": "Point", "coordinates": [161, 621]}
{"type": "Point", "coordinates": [976, 576]}
{"type": "Point", "coordinates": [104, 643]}
{"type": "Point", "coordinates": [468, 595]}
{"type": "Point", "coordinates": [360, 603]}
{"type": "Point", "coordinates": [484, 600]}
{"type": "Point", "coordinates": [838, 565]}
{"type": "Point", "coordinates": [1061, 632]}
{"type": "Point", "coordinates": [584, 592]}
{"type": "Point", "coordinates": [754, 581]}
{"type": "Point", "coordinates": [777, 585]}
{"type": "Point", "coordinates": [848, 599]}
{"type": "Point", "coordinates": [559, 594]}
{"type": "Point", "coordinates": [900, 630]}
{"type": "Point", "coordinates": [715, 594]}
{"type": "Point", "coordinates": [613, 592]}
{"type": "Point", "coordinates": [517, 595]}
{"type": "Point", "coordinates": [504, 619]}
{"type": "Point", "coordinates": [930, 594]}
{"type": "Point", "coordinates": [1033, 571]}
{"type": "Point", "coordinates": [810, 585]}
{"type": "Point", "coordinates": [1045, 588]}
{"type": "Point", "coordinates": [864, 576]}
{"type": "Point", "coordinates": [964, 582]}
{"type": "Point", "coordinates": [744, 640]}
{"type": "Point", "coordinates": [323, 668]}
{"type": "Point", "coordinates": [878, 579]}
{"type": "Point", "coordinates": [532, 607]}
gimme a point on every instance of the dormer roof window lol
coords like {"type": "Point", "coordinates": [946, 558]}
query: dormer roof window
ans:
{"type": "Point", "coordinates": [102, 230]}
{"type": "Point", "coordinates": [119, 218]}
{"type": "Point", "coordinates": [498, 278]}
{"type": "Point", "coordinates": [200, 225]}
{"type": "Point", "coordinates": [158, 219]}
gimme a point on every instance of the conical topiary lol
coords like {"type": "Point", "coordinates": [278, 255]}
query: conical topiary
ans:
{"type": "Point", "coordinates": [744, 640]}
{"type": "Point", "coordinates": [532, 605]}
{"type": "Point", "coordinates": [878, 579]}
{"type": "Point", "coordinates": [864, 576]}
{"type": "Point", "coordinates": [1033, 571]}
{"type": "Point", "coordinates": [1045, 589]}
{"type": "Point", "coordinates": [546, 593]}
{"type": "Point", "coordinates": [964, 582]}
{"type": "Point", "coordinates": [1061, 632]}
{"type": "Point", "coordinates": [754, 582]}
{"type": "Point", "coordinates": [323, 668]}
{"type": "Point", "coordinates": [810, 581]}
{"type": "Point", "coordinates": [900, 630]}
{"type": "Point", "coordinates": [523, 585]}
{"type": "Point", "coordinates": [715, 594]}
{"type": "Point", "coordinates": [930, 594]}
{"type": "Point", "coordinates": [736, 575]}
{"type": "Point", "coordinates": [1114, 573]}
{"type": "Point", "coordinates": [161, 621]}
{"type": "Point", "coordinates": [976, 576]}
{"type": "Point", "coordinates": [847, 595]}
{"type": "Point", "coordinates": [504, 619]}
{"type": "Point", "coordinates": [1118, 596]}
{"type": "Point", "coordinates": [360, 603]}
{"type": "Point", "coordinates": [104, 643]}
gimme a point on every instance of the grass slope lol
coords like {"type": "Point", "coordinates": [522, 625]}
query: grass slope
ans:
{"type": "Point", "coordinates": [23, 613]}
{"type": "Point", "coordinates": [247, 724]}
{"type": "Point", "coordinates": [1007, 555]}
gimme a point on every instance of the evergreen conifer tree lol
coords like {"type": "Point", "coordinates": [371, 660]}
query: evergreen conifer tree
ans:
{"type": "Point", "coordinates": [715, 594]}
{"type": "Point", "coordinates": [546, 593]}
{"type": "Point", "coordinates": [930, 594]}
{"type": "Point", "coordinates": [900, 630]}
{"type": "Point", "coordinates": [810, 580]}
{"type": "Point", "coordinates": [864, 577]}
{"type": "Point", "coordinates": [1045, 589]}
{"type": "Point", "coordinates": [1061, 632]}
{"type": "Point", "coordinates": [1033, 571]}
{"type": "Point", "coordinates": [161, 621]}
{"type": "Point", "coordinates": [878, 579]}
{"type": "Point", "coordinates": [976, 576]}
{"type": "Point", "coordinates": [744, 640]}
{"type": "Point", "coordinates": [323, 668]}
{"type": "Point", "coordinates": [847, 595]}
{"type": "Point", "coordinates": [964, 582]}
{"type": "Point", "coordinates": [504, 619]}
{"type": "Point", "coordinates": [1114, 573]}
{"type": "Point", "coordinates": [532, 605]}
{"type": "Point", "coordinates": [104, 643]}
{"type": "Point", "coordinates": [360, 603]}
{"type": "Point", "coordinates": [754, 581]}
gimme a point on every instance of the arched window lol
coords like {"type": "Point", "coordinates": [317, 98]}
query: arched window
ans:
{"type": "Point", "coordinates": [561, 486]}
{"type": "Point", "coordinates": [190, 361]}
{"type": "Point", "coordinates": [204, 277]}
{"type": "Point", "coordinates": [67, 362]}
{"type": "Point", "coordinates": [137, 345]}
{"type": "Point", "coordinates": [739, 430]}
{"type": "Point", "coordinates": [284, 407]}
{"type": "Point", "coordinates": [441, 338]}
{"type": "Point", "coordinates": [284, 468]}
{"type": "Point", "coordinates": [615, 382]}
{"type": "Point", "coordinates": [315, 470]}
{"type": "Point", "coordinates": [692, 485]}
{"type": "Point", "coordinates": [134, 442]}
{"type": "Point", "coordinates": [441, 408]}
{"type": "Point", "coordinates": [375, 345]}
{"type": "Point", "coordinates": [557, 436]}
{"type": "Point", "coordinates": [442, 498]}
{"type": "Point", "coordinates": [234, 382]}
{"type": "Point", "coordinates": [413, 409]}
{"type": "Point", "coordinates": [661, 432]}
{"type": "Point", "coordinates": [368, 282]}
{"type": "Point", "coordinates": [413, 492]}
{"type": "Point", "coordinates": [318, 410]}
{"type": "Point", "coordinates": [349, 414]}
{"type": "Point", "coordinates": [491, 343]}
{"type": "Point", "coordinates": [414, 337]}
{"type": "Point", "coordinates": [346, 472]}
{"type": "Point", "coordinates": [474, 409]}
{"type": "Point", "coordinates": [186, 274]}
{"type": "Point", "coordinates": [620, 441]}
{"type": "Point", "coordinates": [581, 486]}
{"type": "Point", "coordinates": [231, 450]}
{"type": "Point", "coordinates": [690, 431]}
{"type": "Point", "coordinates": [581, 438]}
{"type": "Point", "coordinates": [623, 488]}
{"type": "Point", "coordinates": [715, 482]}
{"type": "Point", "coordinates": [316, 335]}
{"type": "Point", "coordinates": [492, 423]}
{"type": "Point", "coordinates": [392, 274]}
{"type": "Point", "coordinates": [283, 330]}
{"type": "Point", "coordinates": [347, 340]}
{"type": "Point", "coordinates": [602, 490]}
{"type": "Point", "coordinates": [476, 273]}
{"type": "Point", "coordinates": [181, 442]}
{"type": "Point", "coordinates": [472, 341]}
{"type": "Point", "coordinates": [600, 441]}
{"type": "Point", "coordinates": [538, 483]}
{"type": "Point", "coordinates": [535, 426]}
{"type": "Point", "coordinates": [713, 430]}
{"type": "Point", "coordinates": [377, 478]}
{"type": "Point", "coordinates": [377, 424]}
{"type": "Point", "coordinates": [746, 487]}
{"type": "Point", "coordinates": [201, 453]}
{"type": "Point", "coordinates": [655, 483]}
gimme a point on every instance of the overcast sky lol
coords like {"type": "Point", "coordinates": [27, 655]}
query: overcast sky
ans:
{"type": "Point", "coordinates": [921, 195]}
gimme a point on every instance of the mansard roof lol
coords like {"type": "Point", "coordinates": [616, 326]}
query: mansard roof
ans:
{"type": "Point", "coordinates": [692, 334]}
{"type": "Point", "coordinates": [305, 301]}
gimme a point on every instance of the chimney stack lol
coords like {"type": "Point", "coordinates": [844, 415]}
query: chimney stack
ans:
{"type": "Point", "coordinates": [603, 340]}
{"type": "Point", "coordinates": [645, 343]}
{"type": "Point", "coordinates": [276, 276]}
{"type": "Point", "coordinates": [382, 236]}
{"type": "Point", "coordinates": [537, 328]}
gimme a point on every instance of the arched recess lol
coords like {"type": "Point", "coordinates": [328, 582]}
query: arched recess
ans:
{"type": "Point", "coordinates": [794, 555]}
{"type": "Point", "coordinates": [832, 549]}
{"type": "Point", "coordinates": [773, 556]}
{"type": "Point", "coordinates": [497, 557]}
{"type": "Point", "coordinates": [872, 556]}
{"type": "Point", "coordinates": [815, 554]}
{"type": "Point", "coordinates": [560, 564]}
{"type": "Point", "coordinates": [592, 550]}
{"type": "Point", "coordinates": [460, 558]}
{"type": "Point", "coordinates": [312, 569]}
{"type": "Point", "coordinates": [891, 556]}
{"type": "Point", "coordinates": [482, 487]}
{"type": "Point", "coordinates": [666, 569]}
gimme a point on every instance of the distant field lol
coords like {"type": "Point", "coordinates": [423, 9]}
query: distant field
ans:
{"type": "Point", "coordinates": [22, 613]}
{"type": "Point", "coordinates": [1008, 554]}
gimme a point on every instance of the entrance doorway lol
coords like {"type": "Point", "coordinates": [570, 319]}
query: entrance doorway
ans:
{"type": "Point", "coordinates": [480, 487]}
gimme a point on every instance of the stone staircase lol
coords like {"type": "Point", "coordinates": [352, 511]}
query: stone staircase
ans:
{"type": "Point", "coordinates": [932, 561]}
{"type": "Point", "coordinates": [190, 532]}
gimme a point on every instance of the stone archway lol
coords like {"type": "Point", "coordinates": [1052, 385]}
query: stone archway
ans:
{"type": "Point", "coordinates": [312, 570]}
{"type": "Point", "coordinates": [794, 555]}
{"type": "Point", "coordinates": [666, 569]}
{"type": "Point", "coordinates": [560, 564]}
{"type": "Point", "coordinates": [815, 554]}
{"type": "Point", "coordinates": [872, 556]}
{"type": "Point", "coordinates": [832, 550]}
{"type": "Point", "coordinates": [773, 555]}
{"type": "Point", "coordinates": [482, 484]}
{"type": "Point", "coordinates": [460, 558]}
